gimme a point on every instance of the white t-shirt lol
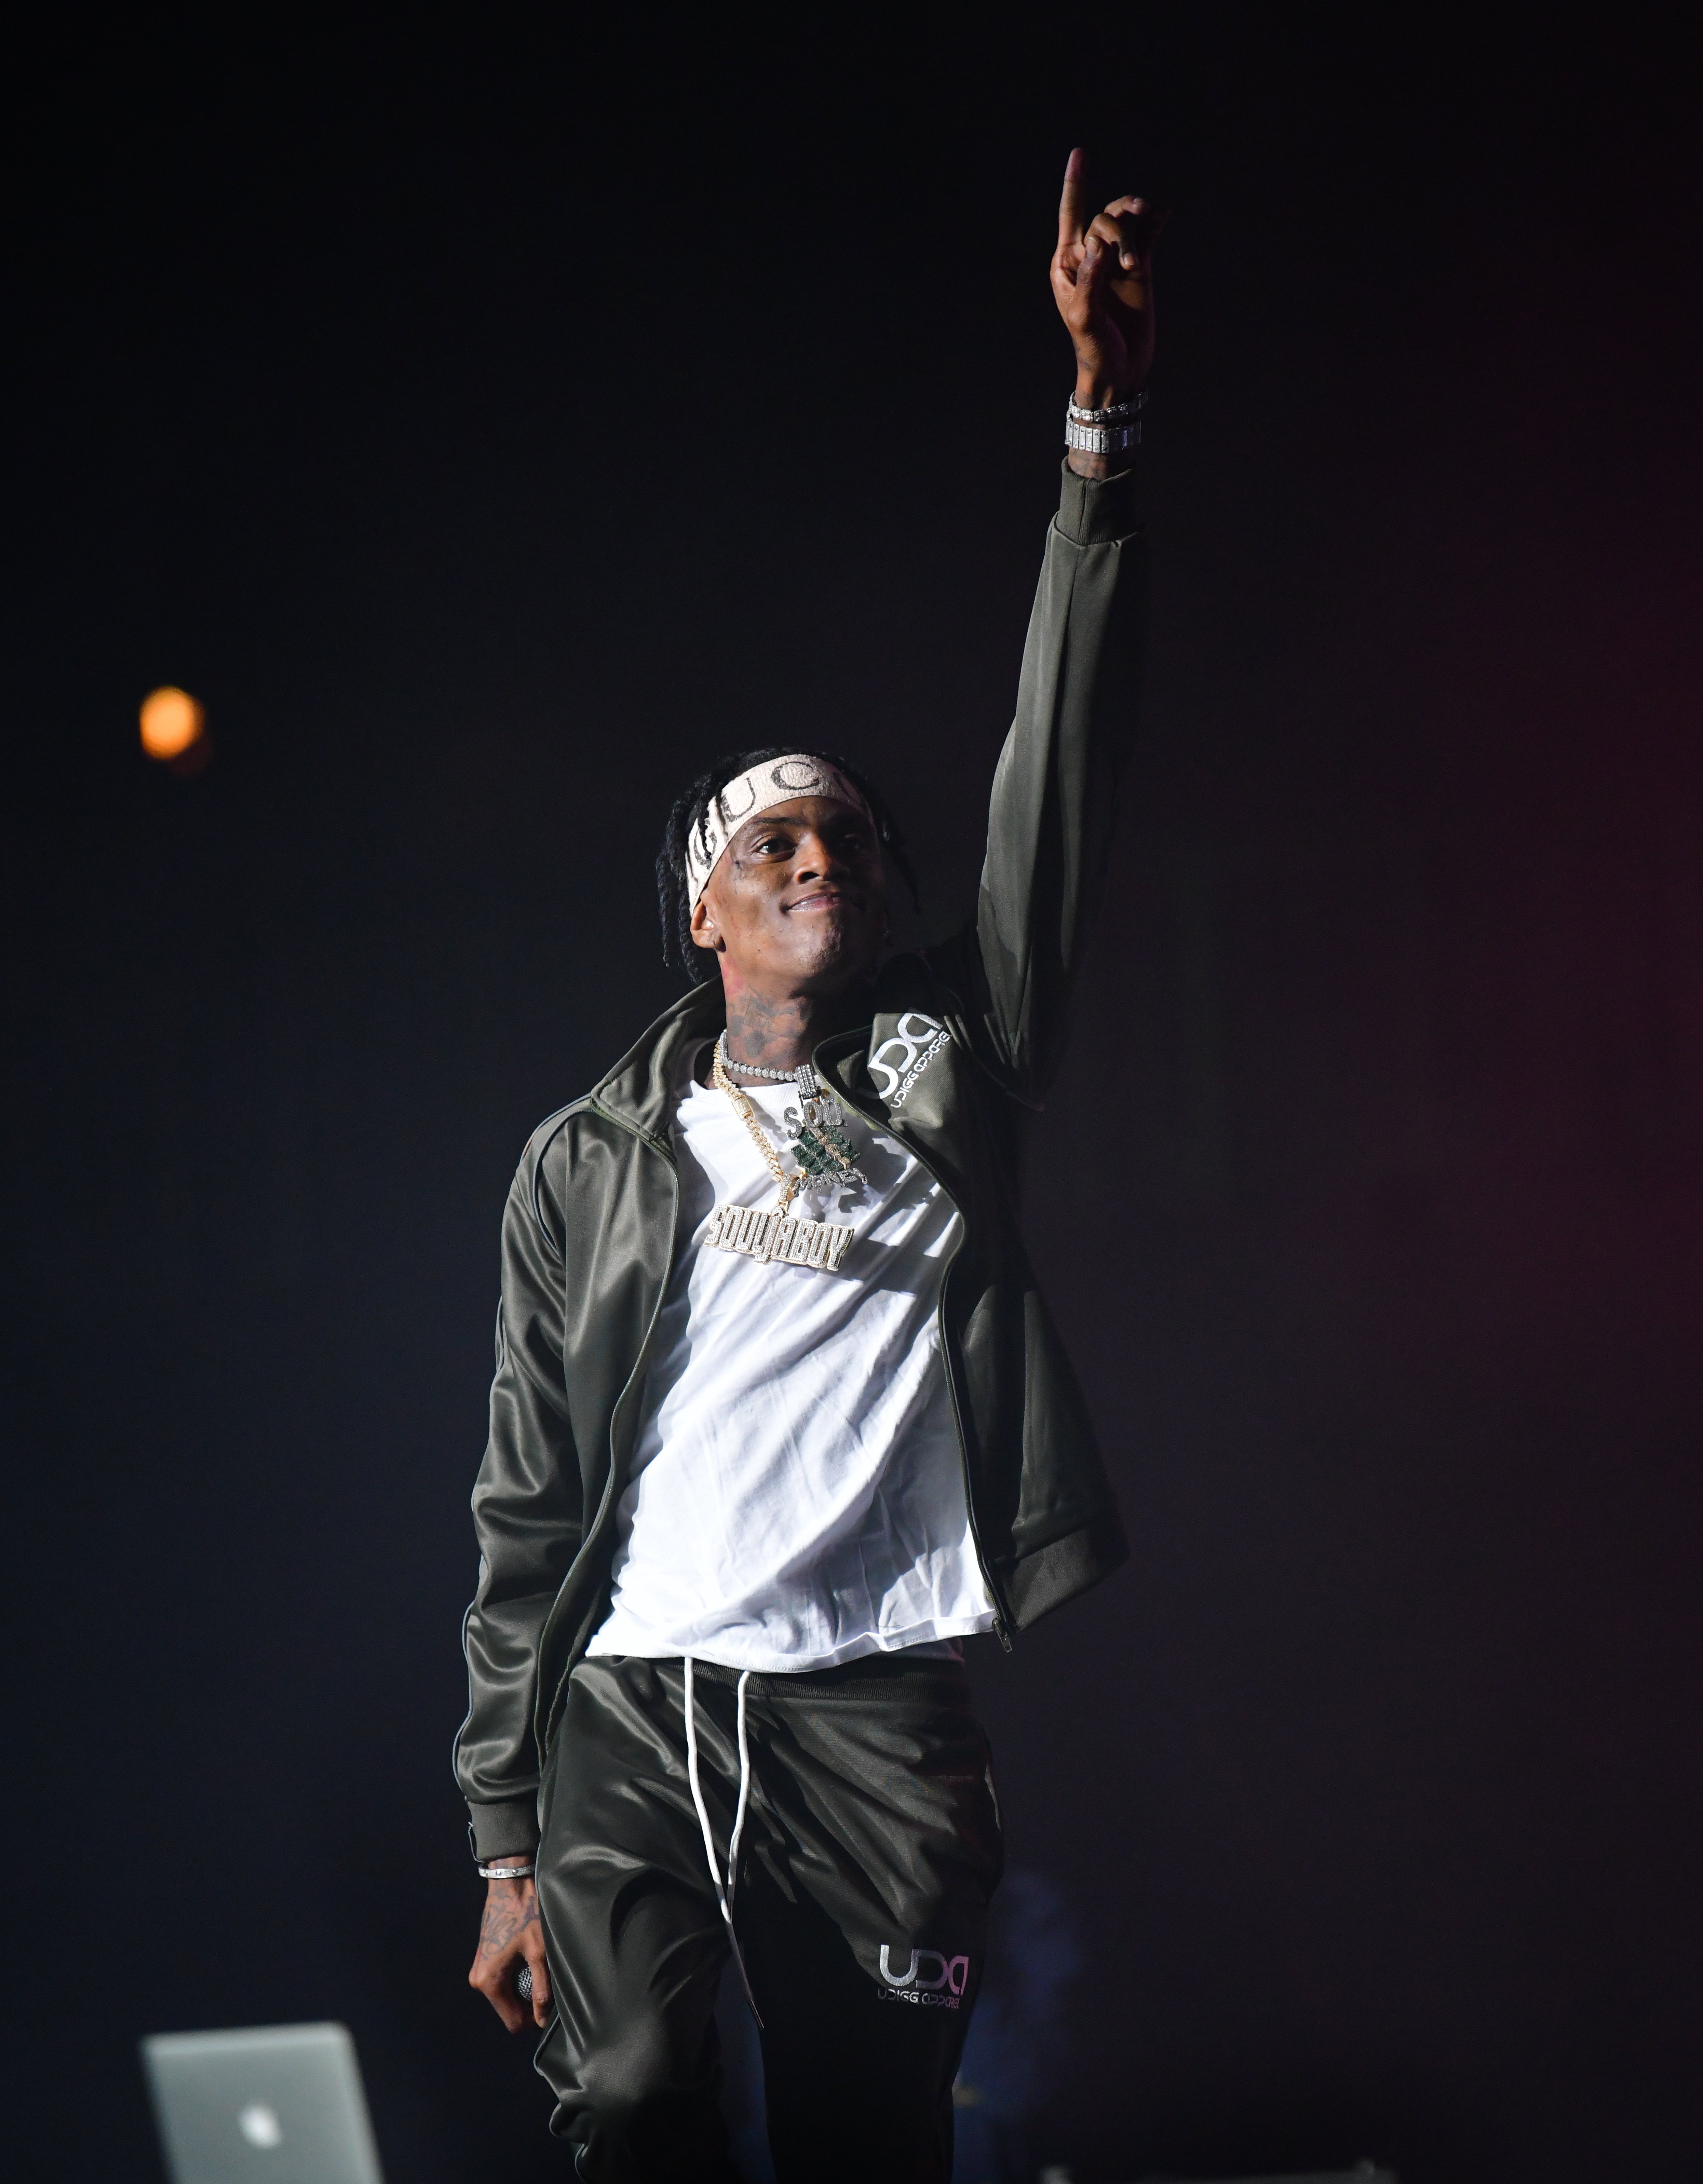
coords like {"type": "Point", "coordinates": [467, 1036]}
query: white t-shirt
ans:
{"type": "Point", "coordinates": [797, 1497]}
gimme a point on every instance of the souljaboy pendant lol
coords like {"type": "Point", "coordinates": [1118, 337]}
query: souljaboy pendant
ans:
{"type": "Point", "coordinates": [824, 1154]}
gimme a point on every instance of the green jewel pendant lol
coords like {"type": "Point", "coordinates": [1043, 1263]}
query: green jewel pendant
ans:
{"type": "Point", "coordinates": [822, 1149]}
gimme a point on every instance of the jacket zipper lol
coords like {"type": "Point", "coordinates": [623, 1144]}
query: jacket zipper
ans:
{"type": "Point", "coordinates": [1002, 1620]}
{"type": "Point", "coordinates": [644, 1137]}
{"type": "Point", "coordinates": [643, 1356]}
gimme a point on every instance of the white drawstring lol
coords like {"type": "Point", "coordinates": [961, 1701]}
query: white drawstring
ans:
{"type": "Point", "coordinates": [724, 1896]}
{"type": "Point", "coordinates": [744, 1795]}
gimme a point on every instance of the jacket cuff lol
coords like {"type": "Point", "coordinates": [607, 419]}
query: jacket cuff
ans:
{"type": "Point", "coordinates": [1049, 1576]}
{"type": "Point", "coordinates": [1096, 511]}
{"type": "Point", "coordinates": [504, 1830]}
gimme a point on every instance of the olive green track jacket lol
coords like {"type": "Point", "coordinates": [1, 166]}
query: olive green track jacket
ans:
{"type": "Point", "coordinates": [963, 1042]}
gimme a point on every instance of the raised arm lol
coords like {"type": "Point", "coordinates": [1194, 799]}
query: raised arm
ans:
{"type": "Point", "coordinates": [1055, 789]}
{"type": "Point", "coordinates": [1103, 283]}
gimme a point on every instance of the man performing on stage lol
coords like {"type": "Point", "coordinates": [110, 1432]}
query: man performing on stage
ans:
{"type": "Point", "coordinates": [780, 1418]}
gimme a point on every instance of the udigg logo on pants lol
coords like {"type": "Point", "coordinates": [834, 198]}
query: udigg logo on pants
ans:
{"type": "Point", "coordinates": [931, 1979]}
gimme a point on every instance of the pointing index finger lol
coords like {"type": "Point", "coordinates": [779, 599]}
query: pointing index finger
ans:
{"type": "Point", "coordinates": [1070, 202]}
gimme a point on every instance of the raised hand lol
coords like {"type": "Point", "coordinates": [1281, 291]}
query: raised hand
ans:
{"type": "Point", "coordinates": [1103, 283]}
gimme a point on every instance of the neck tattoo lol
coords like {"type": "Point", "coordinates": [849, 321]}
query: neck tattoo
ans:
{"type": "Point", "coordinates": [823, 1154]}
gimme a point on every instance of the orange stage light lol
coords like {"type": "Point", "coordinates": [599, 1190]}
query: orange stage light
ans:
{"type": "Point", "coordinates": [171, 722]}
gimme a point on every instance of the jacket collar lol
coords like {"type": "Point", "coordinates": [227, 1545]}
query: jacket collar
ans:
{"type": "Point", "coordinates": [642, 1089]}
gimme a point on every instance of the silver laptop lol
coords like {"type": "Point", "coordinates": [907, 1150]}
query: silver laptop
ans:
{"type": "Point", "coordinates": [280, 2105]}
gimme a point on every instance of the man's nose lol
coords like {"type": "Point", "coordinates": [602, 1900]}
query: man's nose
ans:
{"type": "Point", "coordinates": [815, 859]}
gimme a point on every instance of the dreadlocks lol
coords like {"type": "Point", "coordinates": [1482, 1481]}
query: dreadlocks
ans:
{"type": "Point", "coordinates": [674, 896]}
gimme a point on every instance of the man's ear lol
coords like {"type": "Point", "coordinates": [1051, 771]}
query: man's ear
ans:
{"type": "Point", "coordinates": [706, 933]}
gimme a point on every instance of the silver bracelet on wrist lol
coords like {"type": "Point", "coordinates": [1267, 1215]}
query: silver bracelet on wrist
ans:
{"type": "Point", "coordinates": [1114, 413]}
{"type": "Point", "coordinates": [506, 1872]}
{"type": "Point", "coordinates": [1102, 439]}
{"type": "Point", "coordinates": [1113, 431]}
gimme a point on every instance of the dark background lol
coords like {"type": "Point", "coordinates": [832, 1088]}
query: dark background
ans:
{"type": "Point", "coordinates": [488, 416]}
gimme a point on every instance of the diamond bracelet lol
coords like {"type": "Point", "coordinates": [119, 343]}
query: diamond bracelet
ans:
{"type": "Point", "coordinates": [1114, 412]}
{"type": "Point", "coordinates": [1113, 431]}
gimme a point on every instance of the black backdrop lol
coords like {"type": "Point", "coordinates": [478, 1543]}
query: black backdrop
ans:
{"type": "Point", "coordinates": [487, 420]}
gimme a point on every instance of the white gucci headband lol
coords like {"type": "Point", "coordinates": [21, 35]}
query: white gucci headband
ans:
{"type": "Point", "coordinates": [775, 780]}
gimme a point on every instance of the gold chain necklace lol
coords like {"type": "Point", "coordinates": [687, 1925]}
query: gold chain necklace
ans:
{"type": "Point", "coordinates": [824, 1152]}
